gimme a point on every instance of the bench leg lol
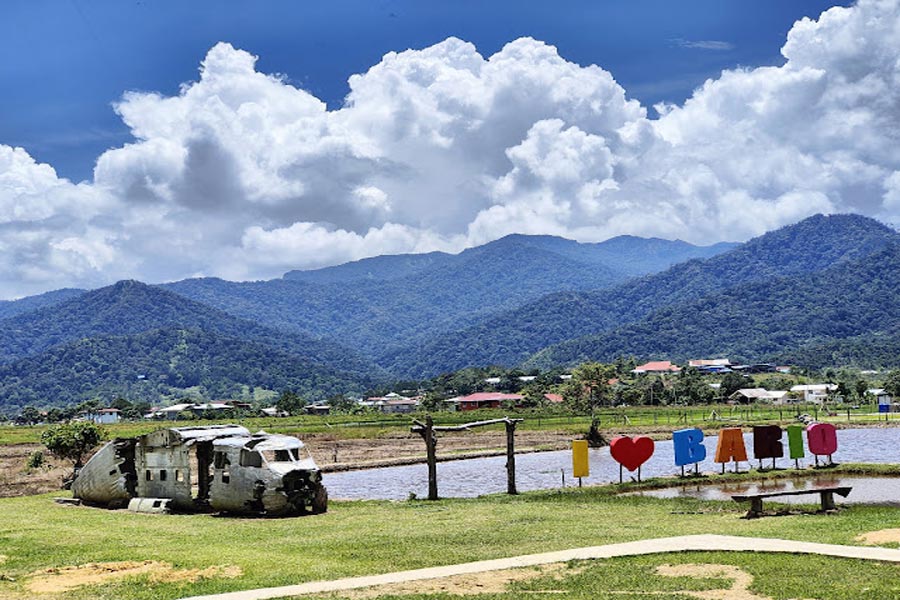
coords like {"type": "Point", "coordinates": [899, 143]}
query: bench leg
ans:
{"type": "Point", "coordinates": [828, 501]}
{"type": "Point", "coordinates": [756, 509]}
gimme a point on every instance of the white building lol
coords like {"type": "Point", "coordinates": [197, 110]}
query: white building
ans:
{"type": "Point", "coordinates": [104, 416]}
{"type": "Point", "coordinates": [815, 393]}
{"type": "Point", "coordinates": [760, 394]}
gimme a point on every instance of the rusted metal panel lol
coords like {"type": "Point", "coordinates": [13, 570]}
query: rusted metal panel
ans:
{"type": "Point", "coordinates": [108, 478]}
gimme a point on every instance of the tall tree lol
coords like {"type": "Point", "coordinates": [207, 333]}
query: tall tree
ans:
{"type": "Point", "coordinates": [72, 441]}
{"type": "Point", "coordinates": [589, 387]}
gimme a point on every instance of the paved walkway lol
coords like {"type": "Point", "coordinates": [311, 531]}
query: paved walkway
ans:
{"type": "Point", "coordinates": [655, 546]}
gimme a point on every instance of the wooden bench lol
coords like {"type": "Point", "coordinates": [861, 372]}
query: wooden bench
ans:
{"type": "Point", "coordinates": [826, 495]}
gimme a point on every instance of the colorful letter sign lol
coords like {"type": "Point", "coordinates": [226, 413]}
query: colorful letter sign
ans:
{"type": "Point", "coordinates": [631, 453]}
{"type": "Point", "coordinates": [822, 439]}
{"type": "Point", "coordinates": [795, 441]}
{"type": "Point", "coordinates": [580, 466]}
{"type": "Point", "coordinates": [767, 442]}
{"type": "Point", "coordinates": [731, 446]}
{"type": "Point", "coordinates": [689, 448]}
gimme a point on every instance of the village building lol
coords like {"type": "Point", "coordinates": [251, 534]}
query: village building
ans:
{"type": "Point", "coordinates": [711, 365]}
{"type": "Point", "coordinates": [554, 398]}
{"type": "Point", "coordinates": [483, 400]}
{"type": "Point", "coordinates": [815, 393]}
{"type": "Point", "coordinates": [759, 395]}
{"type": "Point", "coordinates": [272, 411]}
{"type": "Point", "coordinates": [658, 367]}
{"type": "Point", "coordinates": [883, 399]}
{"type": "Point", "coordinates": [168, 413]}
{"type": "Point", "coordinates": [392, 403]}
{"type": "Point", "coordinates": [103, 416]}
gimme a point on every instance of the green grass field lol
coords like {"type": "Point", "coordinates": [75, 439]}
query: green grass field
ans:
{"type": "Point", "coordinates": [662, 418]}
{"type": "Point", "coordinates": [356, 538]}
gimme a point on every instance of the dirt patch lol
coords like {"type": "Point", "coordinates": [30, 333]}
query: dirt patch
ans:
{"type": "Point", "coordinates": [877, 538]}
{"type": "Point", "coordinates": [740, 581]}
{"type": "Point", "coordinates": [15, 480]}
{"type": "Point", "coordinates": [58, 580]}
{"type": "Point", "coordinates": [490, 582]}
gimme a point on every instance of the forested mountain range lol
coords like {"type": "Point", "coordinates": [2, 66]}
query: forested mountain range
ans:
{"type": "Point", "coordinates": [102, 341]}
{"type": "Point", "coordinates": [130, 307]}
{"type": "Point", "coordinates": [822, 289]}
{"type": "Point", "coordinates": [511, 337]}
{"type": "Point", "coordinates": [414, 298]}
{"type": "Point", "coordinates": [626, 255]}
{"type": "Point", "coordinates": [166, 361]}
{"type": "Point", "coordinates": [759, 320]}
{"type": "Point", "coordinates": [11, 308]}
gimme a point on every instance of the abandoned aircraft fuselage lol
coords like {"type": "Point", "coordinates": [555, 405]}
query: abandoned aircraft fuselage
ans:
{"type": "Point", "coordinates": [216, 467]}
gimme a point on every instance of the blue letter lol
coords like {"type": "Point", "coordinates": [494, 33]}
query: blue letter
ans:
{"type": "Point", "coordinates": [689, 446]}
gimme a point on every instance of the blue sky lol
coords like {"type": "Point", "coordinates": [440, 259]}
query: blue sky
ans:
{"type": "Point", "coordinates": [67, 61]}
{"type": "Point", "coordinates": [163, 140]}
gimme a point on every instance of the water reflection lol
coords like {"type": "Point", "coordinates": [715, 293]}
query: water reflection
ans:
{"type": "Point", "coordinates": [545, 470]}
{"type": "Point", "coordinates": [866, 490]}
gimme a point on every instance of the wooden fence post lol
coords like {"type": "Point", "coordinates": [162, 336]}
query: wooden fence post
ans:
{"type": "Point", "coordinates": [511, 457]}
{"type": "Point", "coordinates": [431, 454]}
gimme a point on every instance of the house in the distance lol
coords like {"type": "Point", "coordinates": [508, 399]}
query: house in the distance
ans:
{"type": "Point", "coordinates": [815, 392]}
{"type": "Point", "coordinates": [483, 400]}
{"type": "Point", "coordinates": [747, 395]}
{"type": "Point", "coordinates": [553, 398]}
{"type": "Point", "coordinates": [393, 403]}
{"type": "Point", "coordinates": [168, 413]}
{"type": "Point", "coordinates": [881, 397]}
{"type": "Point", "coordinates": [103, 416]}
{"type": "Point", "coordinates": [711, 365]}
{"type": "Point", "coordinates": [659, 367]}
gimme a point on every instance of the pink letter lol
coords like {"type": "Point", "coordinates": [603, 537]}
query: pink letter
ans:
{"type": "Point", "coordinates": [822, 439]}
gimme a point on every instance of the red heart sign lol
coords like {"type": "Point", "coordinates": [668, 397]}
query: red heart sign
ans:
{"type": "Point", "coordinates": [631, 453]}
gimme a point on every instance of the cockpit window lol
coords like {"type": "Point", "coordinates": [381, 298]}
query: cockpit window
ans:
{"type": "Point", "coordinates": [285, 455]}
{"type": "Point", "coordinates": [250, 458]}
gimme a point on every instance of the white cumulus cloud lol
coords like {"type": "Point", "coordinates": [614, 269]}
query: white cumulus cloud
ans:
{"type": "Point", "coordinates": [242, 175]}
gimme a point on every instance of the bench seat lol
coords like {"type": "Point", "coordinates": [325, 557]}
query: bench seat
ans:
{"type": "Point", "coordinates": [826, 495]}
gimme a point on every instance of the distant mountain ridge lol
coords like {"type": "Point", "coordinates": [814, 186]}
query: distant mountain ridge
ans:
{"type": "Point", "coordinates": [626, 254]}
{"type": "Point", "coordinates": [822, 288]}
{"type": "Point", "coordinates": [12, 308]}
{"type": "Point", "coordinates": [511, 337]}
{"type": "Point", "coordinates": [130, 307]}
{"type": "Point", "coordinates": [386, 303]}
{"type": "Point", "coordinates": [381, 268]}
{"type": "Point", "coordinates": [758, 321]}
{"type": "Point", "coordinates": [95, 342]}
{"type": "Point", "coordinates": [144, 366]}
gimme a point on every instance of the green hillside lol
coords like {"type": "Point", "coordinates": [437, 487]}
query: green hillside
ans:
{"type": "Point", "coordinates": [148, 365]}
{"type": "Point", "coordinates": [511, 337]}
{"type": "Point", "coordinates": [854, 302]}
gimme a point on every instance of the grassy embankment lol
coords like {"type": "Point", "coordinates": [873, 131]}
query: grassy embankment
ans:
{"type": "Point", "coordinates": [356, 538]}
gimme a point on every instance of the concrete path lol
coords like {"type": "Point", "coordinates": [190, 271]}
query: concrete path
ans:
{"type": "Point", "coordinates": [673, 544]}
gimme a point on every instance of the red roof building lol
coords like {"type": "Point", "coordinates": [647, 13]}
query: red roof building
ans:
{"type": "Point", "coordinates": [659, 366]}
{"type": "Point", "coordinates": [484, 400]}
{"type": "Point", "coordinates": [554, 398]}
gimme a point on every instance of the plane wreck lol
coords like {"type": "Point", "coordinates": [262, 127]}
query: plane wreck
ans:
{"type": "Point", "coordinates": [221, 468]}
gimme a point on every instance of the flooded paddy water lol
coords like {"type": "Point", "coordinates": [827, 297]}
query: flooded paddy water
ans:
{"type": "Point", "coordinates": [544, 470]}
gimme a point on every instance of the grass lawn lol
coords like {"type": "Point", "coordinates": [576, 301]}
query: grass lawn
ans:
{"type": "Point", "coordinates": [726, 575]}
{"type": "Point", "coordinates": [357, 538]}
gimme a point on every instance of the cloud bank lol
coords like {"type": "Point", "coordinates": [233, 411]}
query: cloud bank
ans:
{"type": "Point", "coordinates": [241, 175]}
